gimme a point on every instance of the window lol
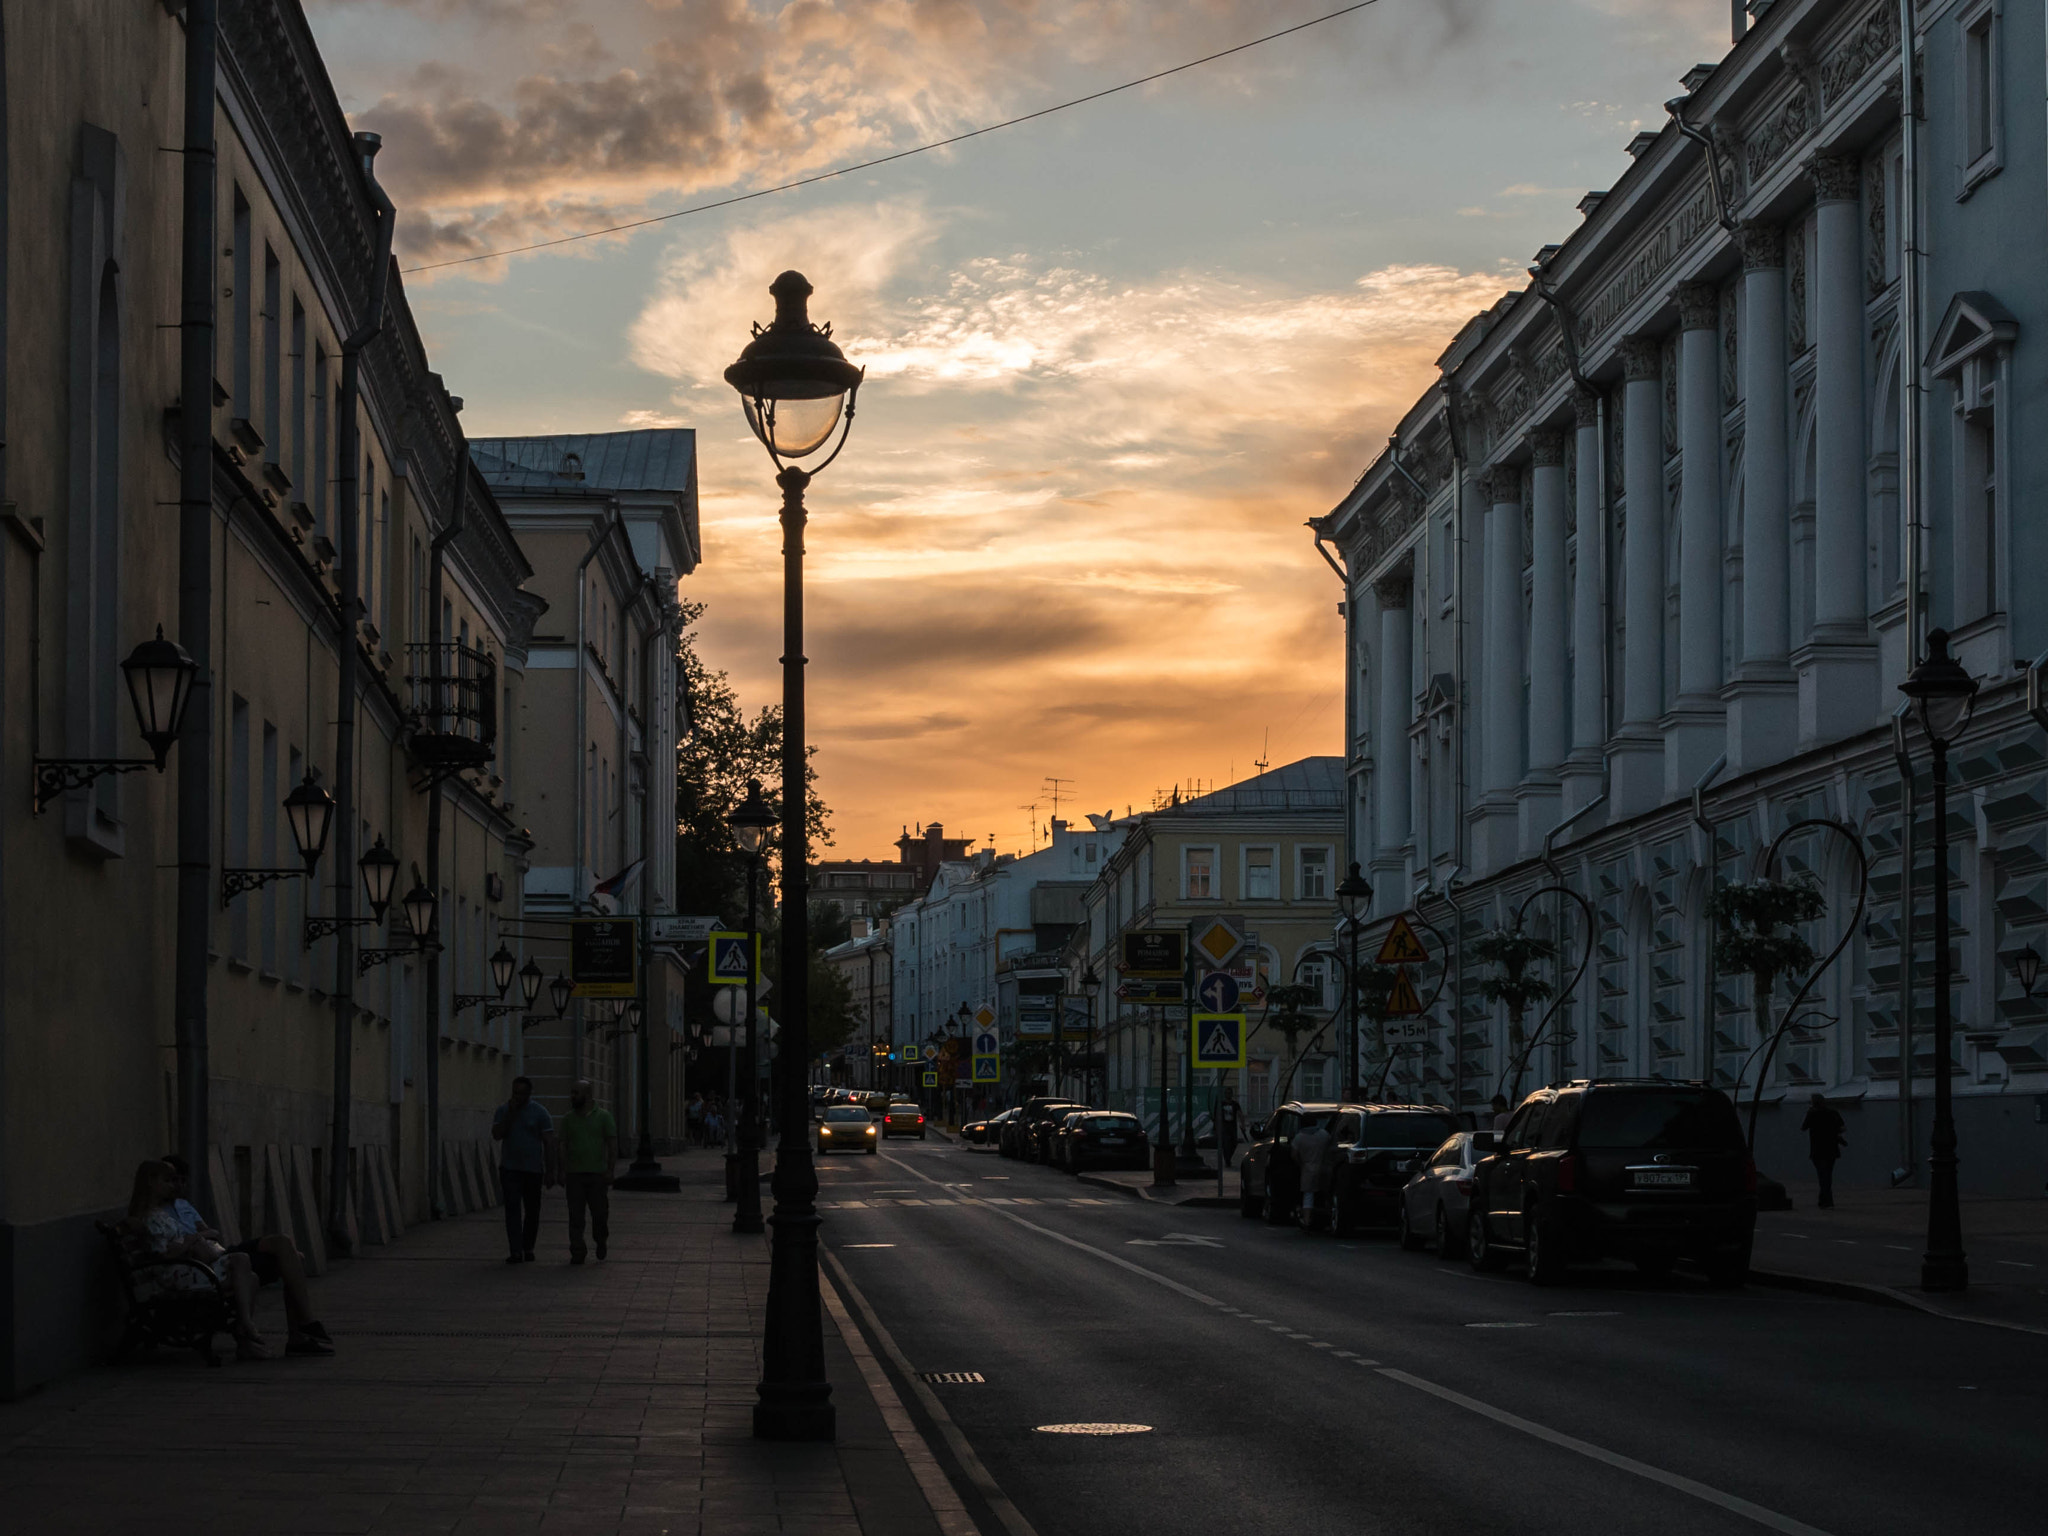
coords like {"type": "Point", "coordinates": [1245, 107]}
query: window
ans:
{"type": "Point", "coordinates": [295, 425]}
{"type": "Point", "coordinates": [237, 830]}
{"type": "Point", "coordinates": [321, 408]}
{"type": "Point", "coordinates": [271, 810]}
{"type": "Point", "coordinates": [1259, 883]}
{"type": "Point", "coordinates": [242, 277]}
{"type": "Point", "coordinates": [1312, 874]}
{"type": "Point", "coordinates": [1977, 96]}
{"type": "Point", "coordinates": [1314, 971]}
{"type": "Point", "coordinates": [273, 355]}
{"type": "Point", "coordinates": [1312, 1078]}
{"type": "Point", "coordinates": [1198, 874]}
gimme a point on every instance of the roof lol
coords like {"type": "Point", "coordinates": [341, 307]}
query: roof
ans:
{"type": "Point", "coordinates": [1312, 784]}
{"type": "Point", "coordinates": [651, 459]}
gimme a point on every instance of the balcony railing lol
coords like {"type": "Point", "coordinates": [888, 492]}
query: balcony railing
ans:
{"type": "Point", "coordinates": [454, 704]}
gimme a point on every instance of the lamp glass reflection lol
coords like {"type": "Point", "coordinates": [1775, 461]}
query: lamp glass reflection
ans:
{"type": "Point", "coordinates": [794, 427]}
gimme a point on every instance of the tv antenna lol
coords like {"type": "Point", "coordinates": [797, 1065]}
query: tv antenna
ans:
{"type": "Point", "coordinates": [1054, 786]}
{"type": "Point", "coordinates": [1260, 762]}
{"type": "Point", "coordinates": [1033, 809]}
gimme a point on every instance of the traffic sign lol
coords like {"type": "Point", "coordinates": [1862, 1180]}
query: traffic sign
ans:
{"type": "Point", "coordinates": [984, 1016]}
{"type": "Point", "coordinates": [987, 1069]}
{"type": "Point", "coordinates": [931, 1051]}
{"type": "Point", "coordinates": [1401, 999]}
{"type": "Point", "coordinates": [1218, 992]}
{"type": "Point", "coordinates": [681, 930]}
{"type": "Point", "coordinates": [987, 1044]}
{"type": "Point", "coordinates": [931, 1079]}
{"type": "Point", "coordinates": [603, 956]}
{"type": "Point", "coordinates": [729, 958]}
{"type": "Point", "coordinates": [1218, 941]}
{"type": "Point", "coordinates": [1401, 946]}
{"type": "Point", "coordinates": [1147, 992]}
{"type": "Point", "coordinates": [1407, 1031]}
{"type": "Point", "coordinates": [1218, 1040]}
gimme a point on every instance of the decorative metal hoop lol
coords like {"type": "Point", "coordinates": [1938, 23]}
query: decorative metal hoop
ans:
{"type": "Point", "coordinates": [1564, 994]}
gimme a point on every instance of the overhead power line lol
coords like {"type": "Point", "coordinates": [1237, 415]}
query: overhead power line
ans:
{"type": "Point", "coordinates": [901, 154]}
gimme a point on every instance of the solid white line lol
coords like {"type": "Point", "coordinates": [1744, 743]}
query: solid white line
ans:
{"type": "Point", "coordinates": [1013, 1520]}
{"type": "Point", "coordinates": [945, 1505]}
{"type": "Point", "coordinates": [1728, 1501]}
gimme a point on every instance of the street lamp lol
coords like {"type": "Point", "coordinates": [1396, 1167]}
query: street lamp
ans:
{"type": "Point", "coordinates": [796, 387]}
{"type": "Point", "coordinates": [1944, 696]}
{"type": "Point", "coordinates": [529, 980]}
{"type": "Point", "coordinates": [1090, 985]}
{"type": "Point", "coordinates": [309, 812]}
{"type": "Point", "coordinates": [503, 964]}
{"type": "Point", "coordinates": [1354, 896]}
{"type": "Point", "coordinates": [419, 907]}
{"type": "Point", "coordinates": [159, 676]}
{"type": "Point", "coordinates": [379, 870]}
{"type": "Point", "coordinates": [2026, 965]}
{"type": "Point", "coordinates": [751, 822]}
{"type": "Point", "coordinates": [560, 990]}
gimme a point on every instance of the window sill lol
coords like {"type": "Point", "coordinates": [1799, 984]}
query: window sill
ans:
{"type": "Point", "coordinates": [1979, 171]}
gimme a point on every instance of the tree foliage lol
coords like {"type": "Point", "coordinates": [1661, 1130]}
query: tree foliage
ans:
{"type": "Point", "coordinates": [1755, 932]}
{"type": "Point", "coordinates": [1509, 951]}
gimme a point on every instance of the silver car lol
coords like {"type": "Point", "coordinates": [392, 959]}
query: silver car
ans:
{"type": "Point", "coordinates": [1436, 1203]}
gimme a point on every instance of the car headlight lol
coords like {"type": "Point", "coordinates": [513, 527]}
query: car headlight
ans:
{"type": "Point", "coordinates": [824, 1130]}
{"type": "Point", "coordinates": [871, 1130]}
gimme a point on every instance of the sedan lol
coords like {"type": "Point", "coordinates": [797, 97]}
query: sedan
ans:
{"type": "Point", "coordinates": [987, 1133]}
{"type": "Point", "coordinates": [1100, 1139]}
{"type": "Point", "coordinates": [1436, 1204]}
{"type": "Point", "coordinates": [902, 1119]}
{"type": "Point", "coordinates": [846, 1128]}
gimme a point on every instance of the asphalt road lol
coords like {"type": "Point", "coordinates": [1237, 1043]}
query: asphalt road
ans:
{"type": "Point", "coordinates": [1300, 1385]}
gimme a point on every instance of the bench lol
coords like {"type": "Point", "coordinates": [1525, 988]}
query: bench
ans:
{"type": "Point", "coordinates": [181, 1319]}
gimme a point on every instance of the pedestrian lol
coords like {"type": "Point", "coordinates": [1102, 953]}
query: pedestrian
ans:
{"type": "Point", "coordinates": [1311, 1146]}
{"type": "Point", "coordinates": [1826, 1135]}
{"type": "Point", "coordinates": [693, 1112]}
{"type": "Point", "coordinates": [1228, 1116]}
{"type": "Point", "coordinates": [590, 1150]}
{"type": "Point", "coordinates": [525, 1166]}
{"type": "Point", "coordinates": [1500, 1113]}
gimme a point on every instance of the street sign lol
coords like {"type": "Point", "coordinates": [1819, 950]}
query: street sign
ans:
{"type": "Point", "coordinates": [931, 1051]}
{"type": "Point", "coordinates": [987, 1044]}
{"type": "Point", "coordinates": [987, 1069]}
{"type": "Point", "coordinates": [1401, 999]}
{"type": "Point", "coordinates": [984, 1016]}
{"type": "Point", "coordinates": [1401, 946]}
{"type": "Point", "coordinates": [1034, 1026]}
{"type": "Point", "coordinates": [729, 1004]}
{"type": "Point", "coordinates": [680, 930]}
{"type": "Point", "coordinates": [1218, 940]}
{"type": "Point", "coordinates": [1218, 1040]}
{"type": "Point", "coordinates": [1153, 992]}
{"type": "Point", "coordinates": [1154, 952]}
{"type": "Point", "coordinates": [603, 957]}
{"type": "Point", "coordinates": [1407, 1031]}
{"type": "Point", "coordinates": [931, 1079]}
{"type": "Point", "coordinates": [1218, 992]}
{"type": "Point", "coordinates": [729, 957]}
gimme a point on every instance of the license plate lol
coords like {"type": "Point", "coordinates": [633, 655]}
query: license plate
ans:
{"type": "Point", "coordinates": [1664, 1178]}
{"type": "Point", "coordinates": [1112, 1141]}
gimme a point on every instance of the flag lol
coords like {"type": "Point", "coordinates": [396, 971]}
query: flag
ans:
{"type": "Point", "coordinates": [618, 882]}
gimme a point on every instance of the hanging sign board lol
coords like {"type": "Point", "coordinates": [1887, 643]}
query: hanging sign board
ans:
{"type": "Point", "coordinates": [603, 957]}
{"type": "Point", "coordinates": [1160, 952]}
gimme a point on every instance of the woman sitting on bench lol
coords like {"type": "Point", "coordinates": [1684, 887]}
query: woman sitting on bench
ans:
{"type": "Point", "coordinates": [152, 1211]}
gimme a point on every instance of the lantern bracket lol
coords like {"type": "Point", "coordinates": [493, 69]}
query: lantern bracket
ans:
{"type": "Point", "coordinates": [233, 882]}
{"type": "Point", "coordinates": [326, 927]}
{"type": "Point", "coordinates": [59, 775]}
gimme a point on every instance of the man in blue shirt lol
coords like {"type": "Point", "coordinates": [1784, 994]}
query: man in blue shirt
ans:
{"type": "Point", "coordinates": [525, 1166]}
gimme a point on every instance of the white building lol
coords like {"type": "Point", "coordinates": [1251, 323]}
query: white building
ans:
{"type": "Point", "coordinates": [1815, 451]}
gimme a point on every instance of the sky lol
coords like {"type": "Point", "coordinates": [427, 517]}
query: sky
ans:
{"type": "Point", "coordinates": [1116, 357]}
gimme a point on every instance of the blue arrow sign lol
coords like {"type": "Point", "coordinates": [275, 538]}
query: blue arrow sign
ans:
{"type": "Point", "coordinates": [986, 1044]}
{"type": "Point", "coordinates": [1219, 993]}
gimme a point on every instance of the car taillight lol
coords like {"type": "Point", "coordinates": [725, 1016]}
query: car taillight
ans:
{"type": "Point", "coordinates": [1749, 1175]}
{"type": "Point", "coordinates": [1567, 1174]}
{"type": "Point", "coordinates": [1466, 1186]}
{"type": "Point", "coordinates": [920, 1119]}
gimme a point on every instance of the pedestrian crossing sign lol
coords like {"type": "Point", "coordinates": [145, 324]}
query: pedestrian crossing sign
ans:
{"type": "Point", "coordinates": [988, 1069]}
{"type": "Point", "coordinates": [931, 1079]}
{"type": "Point", "coordinates": [1218, 1040]}
{"type": "Point", "coordinates": [729, 958]}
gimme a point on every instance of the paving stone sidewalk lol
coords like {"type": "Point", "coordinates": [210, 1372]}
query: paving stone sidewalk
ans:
{"type": "Point", "coordinates": [469, 1396]}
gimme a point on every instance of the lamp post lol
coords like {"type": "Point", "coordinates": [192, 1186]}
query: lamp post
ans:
{"type": "Point", "coordinates": [1354, 896]}
{"type": "Point", "coordinates": [796, 387]}
{"type": "Point", "coordinates": [751, 823]}
{"type": "Point", "coordinates": [1090, 985]}
{"type": "Point", "coordinates": [2026, 966]}
{"type": "Point", "coordinates": [1944, 695]}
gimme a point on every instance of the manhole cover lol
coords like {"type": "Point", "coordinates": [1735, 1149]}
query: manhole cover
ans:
{"type": "Point", "coordinates": [953, 1378]}
{"type": "Point", "coordinates": [1095, 1429]}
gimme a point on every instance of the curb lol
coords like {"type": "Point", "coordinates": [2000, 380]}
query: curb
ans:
{"type": "Point", "coordinates": [1144, 1192]}
{"type": "Point", "coordinates": [1880, 1296]}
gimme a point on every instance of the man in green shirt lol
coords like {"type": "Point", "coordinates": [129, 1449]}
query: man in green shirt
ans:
{"type": "Point", "coordinates": [589, 1139]}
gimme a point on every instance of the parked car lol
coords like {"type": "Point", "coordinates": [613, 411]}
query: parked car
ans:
{"type": "Point", "coordinates": [1436, 1202]}
{"type": "Point", "coordinates": [846, 1128]}
{"type": "Point", "coordinates": [1100, 1138]}
{"type": "Point", "coordinates": [1268, 1181]}
{"type": "Point", "coordinates": [903, 1118]}
{"type": "Point", "coordinates": [876, 1104]}
{"type": "Point", "coordinates": [1646, 1170]}
{"type": "Point", "coordinates": [986, 1133]}
{"type": "Point", "coordinates": [1374, 1149]}
{"type": "Point", "coordinates": [973, 1133]}
{"type": "Point", "coordinates": [1039, 1134]}
{"type": "Point", "coordinates": [1015, 1132]}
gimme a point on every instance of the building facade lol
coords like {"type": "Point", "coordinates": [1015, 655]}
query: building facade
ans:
{"type": "Point", "coordinates": [866, 964]}
{"type": "Point", "coordinates": [1630, 593]}
{"type": "Point", "coordinates": [872, 888]}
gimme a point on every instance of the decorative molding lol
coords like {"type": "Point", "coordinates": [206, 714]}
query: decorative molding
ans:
{"type": "Point", "coordinates": [1394, 586]}
{"type": "Point", "coordinates": [1796, 338]}
{"type": "Point", "coordinates": [1836, 178]}
{"type": "Point", "coordinates": [1874, 228]}
{"type": "Point", "coordinates": [1865, 48]}
{"type": "Point", "coordinates": [1650, 260]}
{"type": "Point", "coordinates": [1773, 139]}
{"type": "Point", "coordinates": [1642, 358]}
{"type": "Point", "coordinates": [1585, 408]}
{"type": "Point", "coordinates": [1546, 448]}
{"type": "Point", "coordinates": [1730, 349]}
{"type": "Point", "coordinates": [1762, 245]}
{"type": "Point", "coordinates": [1699, 306]}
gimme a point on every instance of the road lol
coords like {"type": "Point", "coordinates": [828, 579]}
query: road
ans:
{"type": "Point", "coordinates": [1300, 1385]}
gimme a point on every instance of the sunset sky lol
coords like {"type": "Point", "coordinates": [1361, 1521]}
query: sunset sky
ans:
{"type": "Point", "coordinates": [1116, 357]}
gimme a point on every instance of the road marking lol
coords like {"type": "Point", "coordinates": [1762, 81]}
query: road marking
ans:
{"type": "Point", "coordinates": [2015, 1263]}
{"type": "Point", "coordinates": [1768, 1518]}
{"type": "Point", "coordinates": [1898, 1248]}
{"type": "Point", "coordinates": [1500, 1325]}
{"type": "Point", "coordinates": [1094, 1429]}
{"type": "Point", "coordinates": [867, 1245]}
{"type": "Point", "coordinates": [946, 1506]}
{"type": "Point", "coordinates": [1585, 1314]}
{"type": "Point", "coordinates": [1013, 1521]}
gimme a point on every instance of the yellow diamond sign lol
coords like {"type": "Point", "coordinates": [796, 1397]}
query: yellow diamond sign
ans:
{"type": "Point", "coordinates": [1217, 941]}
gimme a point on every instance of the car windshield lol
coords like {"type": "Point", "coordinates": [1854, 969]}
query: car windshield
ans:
{"type": "Point", "coordinates": [1700, 1117]}
{"type": "Point", "coordinates": [1110, 1122]}
{"type": "Point", "coordinates": [855, 1116]}
{"type": "Point", "coordinates": [1407, 1128]}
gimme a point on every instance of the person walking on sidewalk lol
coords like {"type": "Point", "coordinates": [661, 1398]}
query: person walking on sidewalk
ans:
{"type": "Point", "coordinates": [1826, 1135]}
{"type": "Point", "coordinates": [525, 1166]}
{"type": "Point", "coordinates": [590, 1150]}
{"type": "Point", "coordinates": [1228, 1116]}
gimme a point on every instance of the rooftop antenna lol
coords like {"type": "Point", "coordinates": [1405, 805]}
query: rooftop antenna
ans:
{"type": "Point", "coordinates": [1033, 809]}
{"type": "Point", "coordinates": [1260, 762]}
{"type": "Point", "coordinates": [1055, 785]}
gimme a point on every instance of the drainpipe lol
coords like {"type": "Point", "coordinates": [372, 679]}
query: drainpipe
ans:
{"type": "Point", "coordinates": [1909, 325]}
{"type": "Point", "coordinates": [1423, 833]}
{"type": "Point", "coordinates": [1908, 811]}
{"type": "Point", "coordinates": [196, 312]}
{"type": "Point", "coordinates": [1457, 960]}
{"type": "Point", "coordinates": [348, 606]}
{"type": "Point", "coordinates": [1706, 826]}
{"type": "Point", "coordinates": [458, 507]}
{"type": "Point", "coordinates": [1456, 430]}
{"type": "Point", "coordinates": [579, 868]}
{"type": "Point", "coordinates": [1700, 136]}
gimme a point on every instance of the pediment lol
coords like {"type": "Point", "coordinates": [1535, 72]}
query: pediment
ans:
{"type": "Point", "coordinates": [1973, 323]}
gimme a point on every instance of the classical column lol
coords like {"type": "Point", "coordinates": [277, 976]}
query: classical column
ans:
{"type": "Point", "coordinates": [1762, 701]}
{"type": "Point", "coordinates": [1697, 732]}
{"type": "Point", "coordinates": [1390, 748]}
{"type": "Point", "coordinates": [1501, 681]}
{"type": "Point", "coordinates": [1549, 728]}
{"type": "Point", "coordinates": [1838, 669]}
{"type": "Point", "coordinates": [1584, 772]}
{"type": "Point", "coordinates": [1638, 753]}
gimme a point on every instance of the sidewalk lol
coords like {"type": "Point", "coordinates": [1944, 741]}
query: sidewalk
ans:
{"type": "Point", "coordinates": [470, 1396]}
{"type": "Point", "coordinates": [1195, 1189]}
{"type": "Point", "coordinates": [1873, 1240]}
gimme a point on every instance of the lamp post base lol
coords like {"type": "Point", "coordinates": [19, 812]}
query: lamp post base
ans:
{"type": "Point", "coordinates": [1944, 1272]}
{"type": "Point", "coordinates": [746, 1216]}
{"type": "Point", "coordinates": [648, 1181]}
{"type": "Point", "coordinates": [1162, 1166]}
{"type": "Point", "coordinates": [804, 1414]}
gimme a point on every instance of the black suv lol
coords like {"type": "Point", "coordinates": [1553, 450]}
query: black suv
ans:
{"type": "Point", "coordinates": [1638, 1169]}
{"type": "Point", "coordinates": [1375, 1149]}
{"type": "Point", "coordinates": [1016, 1133]}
